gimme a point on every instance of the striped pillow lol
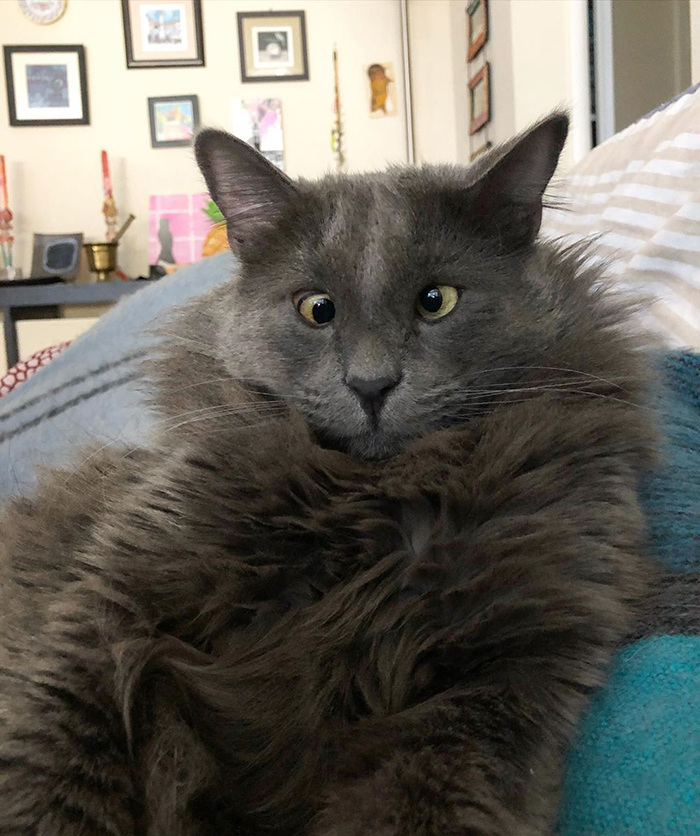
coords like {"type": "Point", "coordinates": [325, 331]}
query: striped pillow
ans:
{"type": "Point", "coordinates": [639, 194]}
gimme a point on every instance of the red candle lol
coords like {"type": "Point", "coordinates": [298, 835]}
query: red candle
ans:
{"type": "Point", "coordinates": [3, 184]}
{"type": "Point", "coordinates": [106, 179]}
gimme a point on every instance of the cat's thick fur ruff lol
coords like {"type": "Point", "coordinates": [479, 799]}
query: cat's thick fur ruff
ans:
{"type": "Point", "coordinates": [250, 630]}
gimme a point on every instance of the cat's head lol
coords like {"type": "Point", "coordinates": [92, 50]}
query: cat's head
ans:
{"type": "Point", "coordinates": [384, 306]}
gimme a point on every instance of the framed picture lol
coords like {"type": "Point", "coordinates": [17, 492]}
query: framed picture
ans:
{"type": "Point", "coordinates": [163, 33]}
{"type": "Point", "coordinates": [479, 100]}
{"type": "Point", "coordinates": [174, 120]}
{"type": "Point", "coordinates": [46, 85]}
{"type": "Point", "coordinates": [273, 46]}
{"type": "Point", "coordinates": [477, 27]}
{"type": "Point", "coordinates": [57, 256]}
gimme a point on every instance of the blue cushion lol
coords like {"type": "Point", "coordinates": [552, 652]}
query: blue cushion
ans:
{"type": "Point", "coordinates": [93, 392]}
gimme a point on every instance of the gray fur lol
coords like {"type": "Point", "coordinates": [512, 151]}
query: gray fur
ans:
{"type": "Point", "coordinates": [296, 618]}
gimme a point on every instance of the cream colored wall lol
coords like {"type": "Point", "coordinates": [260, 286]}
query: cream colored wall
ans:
{"type": "Point", "coordinates": [55, 175]}
{"type": "Point", "coordinates": [695, 40]}
{"type": "Point", "coordinates": [529, 51]}
{"type": "Point", "coordinates": [433, 80]}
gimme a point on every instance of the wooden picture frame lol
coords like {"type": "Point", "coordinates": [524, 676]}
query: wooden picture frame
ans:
{"type": "Point", "coordinates": [46, 85]}
{"type": "Point", "coordinates": [183, 131]}
{"type": "Point", "coordinates": [477, 27]}
{"type": "Point", "coordinates": [482, 149]}
{"type": "Point", "coordinates": [272, 46]}
{"type": "Point", "coordinates": [172, 39]}
{"type": "Point", "coordinates": [479, 100]}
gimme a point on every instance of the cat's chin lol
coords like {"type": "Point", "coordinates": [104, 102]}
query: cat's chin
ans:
{"type": "Point", "coordinates": [371, 446]}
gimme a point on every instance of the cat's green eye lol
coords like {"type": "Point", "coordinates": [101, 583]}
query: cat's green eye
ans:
{"type": "Point", "coordinates": [316, 308]}
{"type": "Point", "coordinates": [436, 301]}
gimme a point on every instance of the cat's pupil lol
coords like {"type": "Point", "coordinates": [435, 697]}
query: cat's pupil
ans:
{"type": "Point", "coordinates": [431, 299]}
{"type": "Point", "coordinates": [323, 311]}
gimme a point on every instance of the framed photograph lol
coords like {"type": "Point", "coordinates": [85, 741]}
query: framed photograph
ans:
{"type": "Point", "coordinates": [46, 85]}
{"type": "Point", "coordinates": [174, 120]}
{"type": "Point", "coordinates": [479, 100]}
{"type": "Point", "coordinates": [477, 27]}
{"type": "Point", "coordinates": [273, 46]}
{"type": "Point", "coordinates": [163, 33]}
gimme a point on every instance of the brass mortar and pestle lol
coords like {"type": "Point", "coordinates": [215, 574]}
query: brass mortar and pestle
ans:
{"type": "Point", "coordinates": [102, 257]}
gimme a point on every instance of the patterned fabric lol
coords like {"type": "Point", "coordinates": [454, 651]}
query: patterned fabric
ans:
{"type": "Point", "coordinates": [26, 368]}
{"type": "Point", "coordinates": [638, 196]}
{"type": "Point", "coordinates": [635, 768]}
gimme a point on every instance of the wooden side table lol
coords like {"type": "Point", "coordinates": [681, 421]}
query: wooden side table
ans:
{"type": "Point", "coordinates": [43, 302]}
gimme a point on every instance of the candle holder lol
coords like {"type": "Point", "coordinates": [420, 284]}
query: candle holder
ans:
{"type": "Point", "coordinates": [102, 258]}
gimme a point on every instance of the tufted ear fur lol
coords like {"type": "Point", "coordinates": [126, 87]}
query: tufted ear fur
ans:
{"type": "Point", "coordinates": [506, 201]}
{"type": "Point", "coordinates": [250, 192]}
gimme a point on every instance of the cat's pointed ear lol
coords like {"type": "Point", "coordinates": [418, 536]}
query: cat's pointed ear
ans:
{"type": "Point", "coordinates": [248, 189]}
{"type": "Point", "coordinates": [507, 198]}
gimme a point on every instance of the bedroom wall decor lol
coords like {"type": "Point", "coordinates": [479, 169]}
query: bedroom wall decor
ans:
{"type": "Point", "coordinates": [477, 27]}
{"type": "Point", "coordinates": [43, 11]}
{"type": "Point", "coordinates": [273, 46]}
{"type": "Point", "coordinates": [163, 34]}
{"type": "Point", "coordinates": [46, 85]}
{"type": "Point", "coordinates": [259, 123]}
{"type": "Point", "coordinates": [479, 100]}
{"type": "Point", "coordinates": [173, 120]}
{"type": "Point", "coordinates": [382, 90]}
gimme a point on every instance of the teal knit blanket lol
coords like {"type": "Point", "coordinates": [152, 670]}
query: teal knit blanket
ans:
{"type": "Point", "coordinates": [635, 767]}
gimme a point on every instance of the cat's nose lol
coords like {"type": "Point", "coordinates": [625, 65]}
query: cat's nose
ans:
{"type": "Point", "coordinates": [372, 392]}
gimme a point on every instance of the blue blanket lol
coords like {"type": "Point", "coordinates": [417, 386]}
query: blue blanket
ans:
{"type": "Point", "coordinates": [635, 768]}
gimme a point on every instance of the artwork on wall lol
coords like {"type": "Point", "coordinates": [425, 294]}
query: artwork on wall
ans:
{"type": "Point", "coordinates": [178, 227]}
{"type": "Point", "coordinates": [174, 120]}
{"type": "Point", "coordinates": [259, 123]}
{"type": "Point", "coordinates": [43, 11]}
{"type": "Point", "coordinates": [46, 85]}
{"type": "Point", "coordinates": [162, 33]}
{"type": "Point", "coordinates": [273, 46]}
{"type": "Point", "coordinates": [479, 100]}
{"type": "Point", "coordinates": [382, 90]}
{"type": "Point", "coordinates": [477, 27]}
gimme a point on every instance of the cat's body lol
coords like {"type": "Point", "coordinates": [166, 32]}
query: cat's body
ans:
{"type": "Point", "coordinates": [380, 614]}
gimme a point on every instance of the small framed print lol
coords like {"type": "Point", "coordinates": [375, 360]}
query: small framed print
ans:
{"type": "Point", "coordinates": [46, 85]}
{"type": "Point", "coordinates": [163, 33]}
{"type": "Point", "coordinates": [57, 255]}
{"type": "Point", "coordinates": [174, 120]}
{"type": "Point", "coordinates": [273, 46]}
{"type": "Point", "coordinates": [479, 100]}
{"type": "Point", "coordinates": [477, 27]}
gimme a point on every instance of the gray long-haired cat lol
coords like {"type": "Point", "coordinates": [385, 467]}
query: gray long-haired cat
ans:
{"type": "Point", "coordinates": [369, 577]}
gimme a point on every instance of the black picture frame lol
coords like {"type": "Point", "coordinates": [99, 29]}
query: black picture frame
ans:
{"type": "Point", "coordinates": [245, 76]}
{"type": "Point", "coordinates": [153, 63]}
{"type": "Point", "coordinates": [175, 143]}
{"type": "Point", "coordinates": [17, 122]}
